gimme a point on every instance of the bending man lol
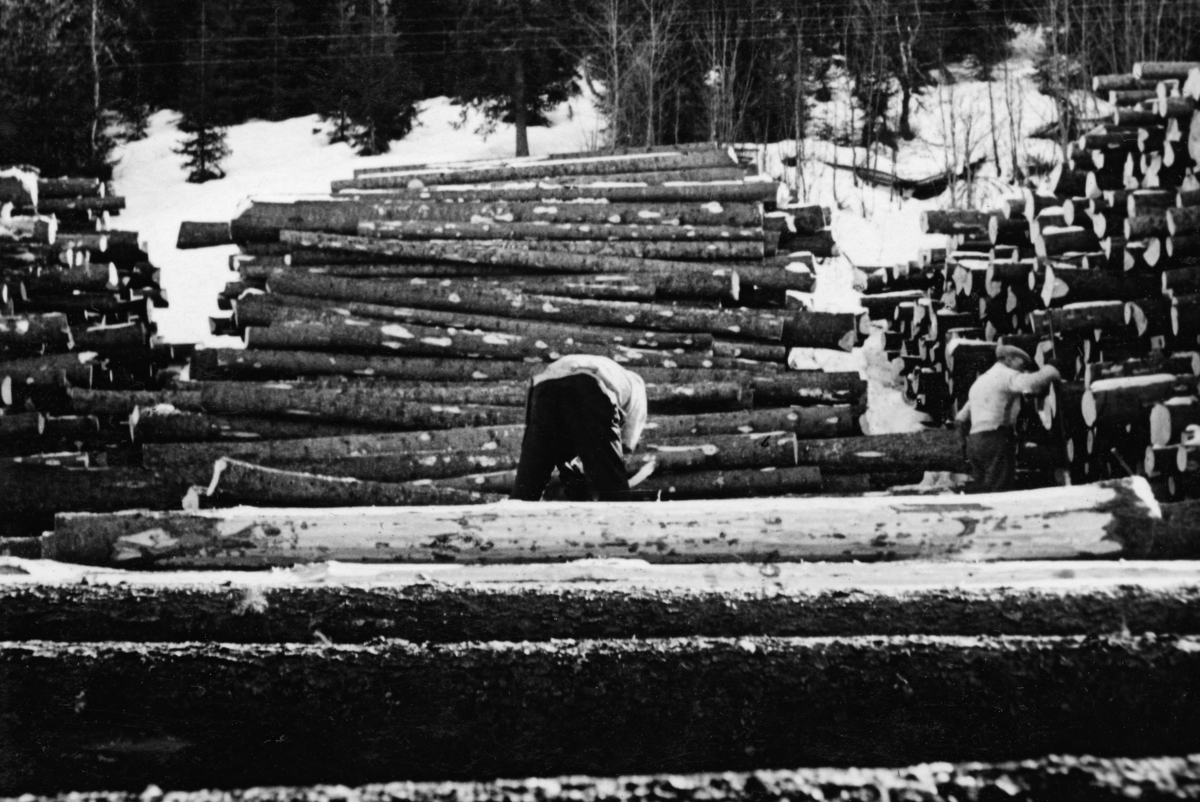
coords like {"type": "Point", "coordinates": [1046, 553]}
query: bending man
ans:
{"type": "Point", "coordinates": [987, 420]}
{"type": "Point", "coordinates": [587, 407]}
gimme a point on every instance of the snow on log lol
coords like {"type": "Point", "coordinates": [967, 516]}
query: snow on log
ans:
{"type": "Point", "coordinates": [723, 193]}
{"type": "Point", "coordinates": [1106, 519]}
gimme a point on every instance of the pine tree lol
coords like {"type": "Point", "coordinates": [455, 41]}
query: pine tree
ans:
{"type": "Point", "coordinates": [205, 114]}
{"type": "Point", "coordinates": [517, 60]}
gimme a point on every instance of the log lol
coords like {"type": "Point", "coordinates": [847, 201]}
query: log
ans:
{"type": "Point", "coordinates": [1104, 519]}
{"type": "Point", "coordinates": [1126, 399]}
{"type": "Point", "coordinates": [534, 171]}
{"type": "Point", "coordinates": [699, 278]}
{"type": "Point", "coordinates": [757, 192]}
{"type": "Point", "coordinates": [122, 403]}
{"type": "Point", "coordinates": [203, 235]}
{"type": "Point", "coordinates": [746, 323]}
{"type": "Point", "coordinates": [500, 231]}
{"type": "Point", "coordinates": [70, 188]}
{"type": "Point", "coordinates": [31, 331]}
{"type": "Point", "coordinates": [716, 452]}
{"type": "Point", "coordinates": [240, 481]}
{"type": "Point", "coordinates": [1163, 70]}
{"type": "Point", "coordinates": [1053, 241]}
{"type": "Point", "coordinates": [734, 483]}
{"type": "Point", "coordinates": [1185, 220]}
{"type": "Point", "coordinates": [808, 387]}
{"type": "Point", "coordinates": [1175, 364]}
{"type": "Point", "coordinates": [804, 329]}
{"type": "Point", "coordinates": [132, 336]}
{"type": "Point", "coordinates": [87, 278]}
{"type": "Point", "coordinates": [52, 370]}
{"type": "Point", "coordinates": [1144, 226]}
{"type": "Point", "coordinates": [357, 405]}
{"type": "Point", "coordinates": [954, 221]}
{"type": "Point", "coordinates": [267, 310]}
{"type": "Point", "coordinates": [761, 352]}
{"type": "Point", "coordinates": [669, 250]}
{"type": "Point", "coordinates": [1170, 418]}
{"type": "Point", "coordinates": [166, 424]}
{"type": "Point", "coordinates": [264, 222]}
{"type": "Point", "coordinates": [1064, 286]}
{"type": "Point", "coordinates": [1082, 317]}
{"type": "Point", "coordinates": [933, 450]}
{"type": "Point", "coordinates": [805, 422]}
{"type": "Point", "coordinates": [772, 278]}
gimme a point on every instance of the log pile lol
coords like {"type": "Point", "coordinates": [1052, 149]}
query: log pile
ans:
{"type": "Point", "coordinates": [392, 327]}
{"type": "Point", "coordinates": [1097, 270]}
{"type": "Point", "coordinates": [77, 316]}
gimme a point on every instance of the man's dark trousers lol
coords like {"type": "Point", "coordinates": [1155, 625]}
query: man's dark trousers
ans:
{"type": "Point", "coordinates": [567, 418]}
{"type": "Point", "coordinates": [993, 458]}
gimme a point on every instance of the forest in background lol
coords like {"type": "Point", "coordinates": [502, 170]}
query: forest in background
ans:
{"type": "Point", "coordinates": [76, 76]}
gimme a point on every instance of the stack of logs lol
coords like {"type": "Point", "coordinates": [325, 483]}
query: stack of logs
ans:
{"type": "Point", "coordinates": [392, 327]}
{"type": "Point", "coordinates": [1098, 271]}
{"type": "Point", "coordinates": [77, 319]}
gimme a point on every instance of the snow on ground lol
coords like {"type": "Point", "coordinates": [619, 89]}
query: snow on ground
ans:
{"type": "Point", "coordinates": [954, 122]}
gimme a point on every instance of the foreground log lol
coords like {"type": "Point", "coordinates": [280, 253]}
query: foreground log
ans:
{"type": "Point", "coordinates": [1088, 520]}
{"type": "Point", "coordinates": [586, 707]}
{"type": "Point", "coordinates": [240, 481]}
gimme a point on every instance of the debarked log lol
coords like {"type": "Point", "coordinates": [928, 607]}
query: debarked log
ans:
{"type": "Point", "coordinates": [1103, 519]}
{"type": "Point", "coordinates": [234, 480]}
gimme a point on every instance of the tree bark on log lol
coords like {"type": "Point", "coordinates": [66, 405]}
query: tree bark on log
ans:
{"type": "Point", "coordinates": [551, 168]}
{"type": "Point", "coordinates": [1104, 519]}
{"type": "Point", "coordinates": [679, 280]}
{"type": "Point", "coordinates": [86, 278]}
{"type": "Point", "coordinates": [264, 221]}
{"type": "Point", "coordinates": [354, 405]}
{"type": "Point", "coordinates": [440, 230]}
{"type": "Point", "coordinates": [166, 424]}
{"type": "Point", "coordinates": [756, 192]}
{"type": "Point", "coordinates": [234, 480]}
{"type": "Point", "coordinates": [269, 310]}
{"type": "Point", "coordinates": [822, 330]}
{"type": "Point", "coordinates": [954, 221]}
{"type": "Point", "coordinates": [203, 235]}
{"type": "Point", "coordinates": [734, 483]}
{"type": "Point", "coordinates": [1108, 315]}
{"type": "Point", "coordinates": [122, 403]}
{"type": "Point", "coordinates": [51, 370]}
{"type": "Point", "coordinates": [29, 331]}
{"type": "Point", "coordinates": [1175, 364]}
{"type": "Point", "coordinates": [807, 387]}
{"type": "Point", "coordinates": [1169, 419]}
{"type": "Point", "coordinates": [1064, 286]}
{"type": "Point", "coordinates": [747, 323]}
{"type": "Point", "coordinates": [669, 250]}
{"type": "Point", "coordinates": [1127, 399]}
{"type": "Point", "coordinates": [932, 450]}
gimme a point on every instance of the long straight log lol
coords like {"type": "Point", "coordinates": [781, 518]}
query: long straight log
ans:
{"type": "Point", "coordinates": [122, 403]}
{"type": "Point", "coordinates": [1101, 519]}
{"type": "Point", "coordinates": [87, 278]}
{"type": "Point", "coordinates": [933, 450]}
{"type": "Point", "coordinates": [804, 329]}
{"type": "Point", "coordinates": [241, 481]}
{"type": "Point", "coordinates": [734, 483]}
{"type": "Point", "coordinates": [439, 230]}
{"type": "Point", "coordinates": [1082, 317]}
{"type": "Point", "coordinates": [166, 424]}
{"type": "Point", "coordinates": [51, 370]}
{"type": "Point", "coordinates": [678, 279]}
{"type": "Point", "coordinates": [26, 331]}
{"type": "Point", "coordinates": [358, 405]}
{"type": "Point", "coordinates": [263, 222]}
{"type": "Point", "coordinates": [1064, 286]}
{"type": "Point", "coordinates": [746, 323]}
{"type": "Point", "coordinates": [954, 221]}
{"type": "Point", "coordinates": [555, 168]}
{"type": "Point", "coordinates": [267, 310]}
{"type": "Point", "coordinates": [750, 192]}
{"type": "Point", "coordinates": [677, 250]}
{"type": "Point", "coordinates": [1175, 364]}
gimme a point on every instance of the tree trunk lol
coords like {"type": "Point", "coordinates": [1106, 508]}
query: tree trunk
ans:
{"type": "Point", "coordinates": [1108, 315]}
{"type": "Point", "coordinates": [70, 188]}
{"type": "Point", "coordinates": [263, 221]}
{"type": "Point", "coordinates": [734, 483]}
{"type": "Point", "coordinates": [1064, 286]}
{"type": "Point", "coordinates": [933, 450]}
{"type": "Point", "coordinates": [239, 481]}
{"type": "Point", "coordinates": [170, 425]}
{"type": "Point", "coordinates": [746, 323]}
{"type": "Point", "coordinates": [1175, 364]}
{"type": "Point", "coordinates": [822, 330]}
{"type": "Point", "coordinates": [954, 221]}
{"type": "Point", "coordinates": [542, 232]}
{"type": "Point", "coordinates": [1169, 419]}
{"type": "Point", "coordinates": [1126, 399]}
{"type": "Point", "coordinates": [750, 278]}
{"type": "Point", "coordinates": [269, 310]}
{"type": "Point", "coordinates": [1111, 518]}
{"type": "Point", "coordinates": [23, 332]}
{"type": "Point", "coordinates": [52, 370]}
{"type": "Point", "coordinates": [202, 235]}
{"type": "Point", "coordinates": [696, 251]}
{"type": "Point", "coordinates": [762, 352]}
{"type": "Point", "coordinates": [758, 192]}
{"type": "Point", "coordinates": [808, 387]}
{"type": "Point", "coordinates": [88, 278]}
{"type": "Point", "coordinates": [122, 403]}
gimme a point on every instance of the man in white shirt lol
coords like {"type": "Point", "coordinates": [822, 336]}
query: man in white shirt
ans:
{"type": "Point", "coordinates": [587, 407]}
{"type": "Point", "coordinates": [986, 421]}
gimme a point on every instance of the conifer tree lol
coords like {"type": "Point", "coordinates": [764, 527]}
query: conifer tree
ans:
{"type": "Point", "coordinates": [517, 60]}
{"type": "Point", "coordinates": [204, 112]}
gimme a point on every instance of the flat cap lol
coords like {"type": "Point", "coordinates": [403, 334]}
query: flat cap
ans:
{"type": "Point", "coordinates": [1003, 351]}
